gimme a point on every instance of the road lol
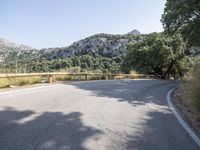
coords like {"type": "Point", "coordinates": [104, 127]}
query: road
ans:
{"type": "Point", "coordinates": [96, 115]}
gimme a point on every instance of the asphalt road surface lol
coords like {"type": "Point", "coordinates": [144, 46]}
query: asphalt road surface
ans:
{"type": "Point", "coordinates": [96, 115]}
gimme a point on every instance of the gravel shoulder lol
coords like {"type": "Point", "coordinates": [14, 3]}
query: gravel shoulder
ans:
{"type": "Point", "coordinates": [185, 108]}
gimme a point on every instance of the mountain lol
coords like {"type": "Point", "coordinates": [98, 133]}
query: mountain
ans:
{"type": "Point", "coordinates": [106, 45]}
{"type": "Point", "coordinates": [8, 48]}
{"type": "Point", "coordinates": [135, 32]}
{"type": "Point", "coordinates": [98, 53]}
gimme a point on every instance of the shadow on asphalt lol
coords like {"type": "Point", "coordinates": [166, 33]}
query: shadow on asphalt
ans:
{"type": "Point", "coordinates": [156, 132]}
{"type": "Point", "coordinates": [160, 132]}
{"type": "Point", "coordinates": [135, 92]}
{"type": "Point", "coordinates": [59, 131]}
{"type": "Point", "coordinates": [27, 130]}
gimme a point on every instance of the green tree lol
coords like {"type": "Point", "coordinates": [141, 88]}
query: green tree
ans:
{"type": "Point", "coordinates": [157, 54]}
{"type": "Point", "coordinates": [183, 16]}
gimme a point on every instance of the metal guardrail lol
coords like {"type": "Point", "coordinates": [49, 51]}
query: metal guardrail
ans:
{"type": "Point", "coordinates": [86, 75]}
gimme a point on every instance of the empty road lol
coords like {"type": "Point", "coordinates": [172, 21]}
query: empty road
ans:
{"type": "Point", "coordinates": [94, 115]}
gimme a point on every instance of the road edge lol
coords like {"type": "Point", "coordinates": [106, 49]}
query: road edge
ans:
{"type": "Point", "coordinates": [180, 119]}
{"type": "Point", "coordinates": [26, 89]}
{"type": "Point", "coordinates": [46, 85]}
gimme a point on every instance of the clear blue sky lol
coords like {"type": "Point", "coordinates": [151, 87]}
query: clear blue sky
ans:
{"type": "Point", "coordinates": [54, 23]}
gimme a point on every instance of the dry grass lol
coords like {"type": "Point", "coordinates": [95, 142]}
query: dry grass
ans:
{"type": "Point", "coordinates": [194, 87]}
{"type": "Point", "coordinates": [62, 78]}
{"type": "Point", "coordinates": [127, 76]}
{"type": "Point", "coordinates": [186, 107]}
{"type": "Point", "coordinates": [19, 81]}
{"type": "Point", "coordinates": [77, 77]}
{"type": "Point", "coordinates": [187, 99]}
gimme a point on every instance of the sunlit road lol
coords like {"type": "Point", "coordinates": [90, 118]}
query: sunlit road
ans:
{"type": "Point", "coordinates": [97, 115]}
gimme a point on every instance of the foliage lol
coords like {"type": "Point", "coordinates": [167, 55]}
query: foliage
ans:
{"type": "Point", "coordinates": [75, 64]}
{"type": "Point", "coordinates": [157, 54]}
{"type": "Point", "coordinates": [183, 16]}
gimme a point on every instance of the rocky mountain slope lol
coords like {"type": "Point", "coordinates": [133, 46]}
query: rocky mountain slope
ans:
{"type": "Point", "coordinates": [106, 45]}
{"type": "Point", "coordinates": [8, 48]}
{"type": "Point", "coordinates": [103, 44]}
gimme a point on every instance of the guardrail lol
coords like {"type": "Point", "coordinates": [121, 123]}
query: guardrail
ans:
{"type": "Point", "coordinates": [101, 76]}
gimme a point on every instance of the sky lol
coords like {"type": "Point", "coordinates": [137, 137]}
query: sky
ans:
{"type": "Point", "coordinates": [57, 23]}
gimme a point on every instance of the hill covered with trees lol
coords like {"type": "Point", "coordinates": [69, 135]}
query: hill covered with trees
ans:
{"type": "Point", "coordinates": [98, 53]}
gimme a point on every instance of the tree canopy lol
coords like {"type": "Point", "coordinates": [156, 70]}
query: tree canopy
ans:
{"type": "Point", "coordinates": [157, 53]}
{"type": "Point", "coordinates": [183, 16]}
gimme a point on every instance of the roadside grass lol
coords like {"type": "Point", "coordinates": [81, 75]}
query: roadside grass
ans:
{"type": "Point", "coordinates": [187, 98]}
{"type": "Point", "coordinates": [80, 77]}
{"type": "Point", "coordinates": [61, 78]}
{"type": "Point", "coordinates": [193, 87]}
{"type": "Point", "coordinates": [190, 90]}
{"type": "Point", "coordinates": [130, 76]}
{"type": "Point", "coordinates": [19, 81]}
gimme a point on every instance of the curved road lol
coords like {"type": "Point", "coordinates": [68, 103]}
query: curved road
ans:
{"type": "Point", "coordinates": [97, 115]}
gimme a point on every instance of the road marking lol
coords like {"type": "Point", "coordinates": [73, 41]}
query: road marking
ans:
{"type": "Point", "coordinates": [180, 120]}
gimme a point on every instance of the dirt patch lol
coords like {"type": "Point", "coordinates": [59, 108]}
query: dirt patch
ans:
{"type": "Point", "coordinates": [186, 108]}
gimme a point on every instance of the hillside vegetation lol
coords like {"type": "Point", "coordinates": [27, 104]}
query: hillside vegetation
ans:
{"type": "Point", "coordinates": [98, 53]}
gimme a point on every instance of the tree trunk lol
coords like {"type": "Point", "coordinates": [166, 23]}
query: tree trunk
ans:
{"type": "Point", "coordinates": [157, 72]}
{"type": "Point", "coordinates": [169, 69]}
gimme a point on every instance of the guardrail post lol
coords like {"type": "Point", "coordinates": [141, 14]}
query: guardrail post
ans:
{"type": "Point", "coordinates": [107, 77]}
{"type": "Point", "coordinates": [86, 77]}
{"type": "Point", "coordinates": [100, 77]}
{"type": "Point", "coordinates": [50, 78]}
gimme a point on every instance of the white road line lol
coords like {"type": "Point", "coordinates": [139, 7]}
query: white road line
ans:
{"type": "Point", "coordinates": [180, 120]}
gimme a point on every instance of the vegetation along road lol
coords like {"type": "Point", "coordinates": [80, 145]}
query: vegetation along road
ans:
{"type": "Point", "coordinates": [99, 115]}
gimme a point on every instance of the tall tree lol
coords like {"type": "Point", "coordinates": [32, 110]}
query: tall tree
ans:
{"type": "Point", "coordinates": [183, 16]}
{"type": "Point", "coordinates": [156, 54]}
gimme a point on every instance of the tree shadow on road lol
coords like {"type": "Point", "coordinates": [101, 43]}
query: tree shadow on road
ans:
{"type": "Point", "coordinates": [27, 130]}
{"type": "Point", "coordinates": [157, 128]}
{"type": "Point", "coordinates": [135, 92]}
{"type": "Point", "coordinates": [160, 132]}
